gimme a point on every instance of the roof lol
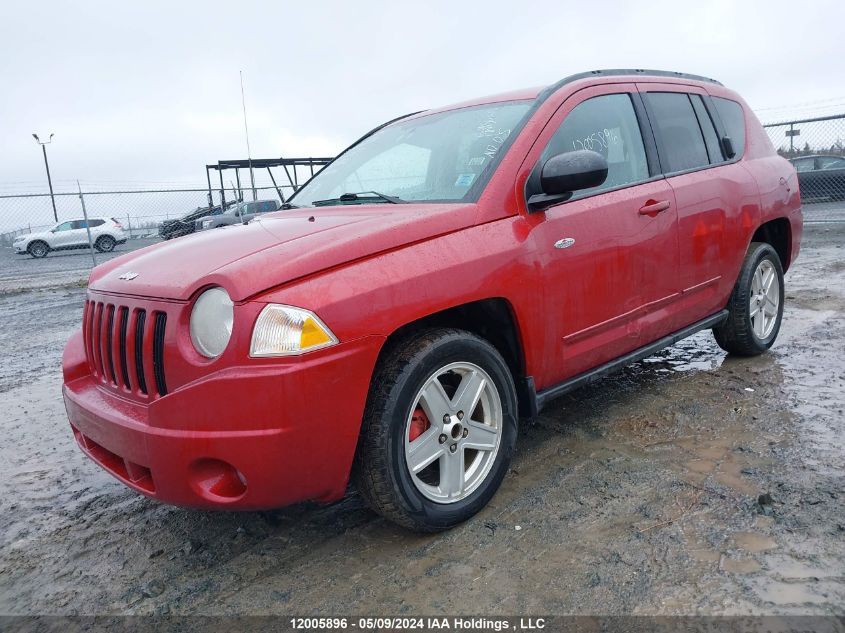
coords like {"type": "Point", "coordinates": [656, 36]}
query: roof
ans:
{"type": "Point", "coordinates": [540, 94]}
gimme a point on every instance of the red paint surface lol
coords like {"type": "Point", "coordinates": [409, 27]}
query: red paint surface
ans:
{"type": "Point", "coordinates": [243, 433]}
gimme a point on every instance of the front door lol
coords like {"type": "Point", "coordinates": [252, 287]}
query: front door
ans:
{"type": "Point", "coordinates": [610, 253]}
{"type": "Point", "coordinates": [63, 235]}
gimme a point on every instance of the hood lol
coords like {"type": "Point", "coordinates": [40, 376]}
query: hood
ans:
{"type": "Point", "coordinates": [278, 248]}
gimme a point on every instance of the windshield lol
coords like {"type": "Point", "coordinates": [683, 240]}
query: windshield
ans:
{"type": "Point", "coordinates": [438, 157]}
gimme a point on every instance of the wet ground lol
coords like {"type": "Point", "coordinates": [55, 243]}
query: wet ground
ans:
{"type": "Point", "coordinates": [59, 269]}
{"type": "Point", "coordinates": [690, 483]}
{"type": "Point", "coordinates": [824, 210]}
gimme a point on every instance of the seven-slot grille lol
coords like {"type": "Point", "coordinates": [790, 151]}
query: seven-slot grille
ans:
{"type": "Point", "coordinates": [124, 346]}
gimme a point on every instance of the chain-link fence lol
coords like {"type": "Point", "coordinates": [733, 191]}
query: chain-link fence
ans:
{"type": "Point", "coordinates": [42, 245]}
{"type": "Point", "coordinates": [53, 230]}
{"type": "Point", "coordinates": [140, 213]}
{"type": "Point", "coordinates": [817, 149]}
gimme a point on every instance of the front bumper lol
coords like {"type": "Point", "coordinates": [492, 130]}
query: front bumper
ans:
{"type": "Point", "coordinates": [20, 249]}
{"type": "Point", "coordinates": [248, 437]}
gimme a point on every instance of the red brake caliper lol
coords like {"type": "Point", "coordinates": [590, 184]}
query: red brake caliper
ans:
{"type": "Point", "coordinates": [419, 424]}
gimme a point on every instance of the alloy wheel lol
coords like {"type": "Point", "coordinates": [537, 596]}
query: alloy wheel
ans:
{"type": "Point", "coordinates": [765, 299]}
{"type": "Point", "coordinates": [453, 432]}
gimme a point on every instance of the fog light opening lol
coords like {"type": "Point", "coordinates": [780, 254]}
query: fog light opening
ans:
{"type": "Point", "coordinates": [217, 480]}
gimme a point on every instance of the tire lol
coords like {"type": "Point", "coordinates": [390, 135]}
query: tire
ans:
{"type": "Point", "coordinates": [438, 496]}
{"type": "Point", "coordinates": [747, 331]}
{"type": "Point", "coordinates": [38, 249]}
{"type": "Point", "coordinates": [105, 244]}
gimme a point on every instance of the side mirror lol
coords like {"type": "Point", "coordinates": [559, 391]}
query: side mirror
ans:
{"type": "Point", "coordinates": [573, 171]}
{"type": "Point", "coordinates": [564, 173]}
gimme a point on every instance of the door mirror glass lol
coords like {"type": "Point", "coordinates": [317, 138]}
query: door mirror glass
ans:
{"type": "Point", "coordinates": [573, 171]}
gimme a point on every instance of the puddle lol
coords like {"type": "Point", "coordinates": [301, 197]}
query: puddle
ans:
{"type": "Point", "coordinates": [740, 565]}
{"type": "Point", "coordinates": [753, 541]}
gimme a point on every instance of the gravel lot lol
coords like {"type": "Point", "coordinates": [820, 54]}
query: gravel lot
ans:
{"type": "Point", "coordinates": [824, 211]}
{"type": "Point", "coordinates": [690, 483]}
{"type": "Point", "coordinates": [60, 268]}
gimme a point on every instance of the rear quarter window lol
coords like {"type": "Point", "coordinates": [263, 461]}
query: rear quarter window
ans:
{"type": "Point", "coordinates": [711, 138]}
{"type": "Point", "coordinates": [733, 119]}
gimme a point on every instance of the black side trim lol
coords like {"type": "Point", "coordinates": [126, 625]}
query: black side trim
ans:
{"type": "Point", "coordinates": [595, 374]}
{"type": "Point", "coordinates": [139, 350]}
{"type": "Point", "coordinates": [158, 352]}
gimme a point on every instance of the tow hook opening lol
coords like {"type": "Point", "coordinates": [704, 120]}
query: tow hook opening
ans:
{"type": "Point", "coordinates": [217, 480]}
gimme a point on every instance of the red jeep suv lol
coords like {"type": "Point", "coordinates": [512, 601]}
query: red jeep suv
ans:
{"type": "Point", "coordinates": [444, 277]}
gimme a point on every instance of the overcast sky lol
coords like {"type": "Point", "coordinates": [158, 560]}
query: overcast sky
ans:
{"type": "Point", "coordinates": [147, 93]}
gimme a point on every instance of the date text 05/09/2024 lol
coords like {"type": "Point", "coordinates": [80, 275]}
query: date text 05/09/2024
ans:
{"type": "Point", "coordinates": [419, 623]}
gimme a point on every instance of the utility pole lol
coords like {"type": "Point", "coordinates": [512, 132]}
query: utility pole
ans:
{"type": "Point", "coordinates": [87, 224]}
{"type": "Point", "coordinates": [43, 145]}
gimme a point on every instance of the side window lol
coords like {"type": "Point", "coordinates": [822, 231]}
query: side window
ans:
{"type": "Point", "coordinates": [92, 223]}
{"type": "Point", "coordinates": [831, 162]}
{"type": "Point", "coordinates": [268, 206]}
{"type": "Point", "coordinates": [64, 226]}
{"type": "Point", "coordinates": [804, 164]}
{"type": "Point", "coordinates": [711, 138]}
{"type": "Point", "coordinates": [79, 224]}
{"type": "Point", "coordinates": [734, 120]}
{"type": "Point", "coordinates": [607, 125]}
{"type": "Point", "coordinates": [682, 143]}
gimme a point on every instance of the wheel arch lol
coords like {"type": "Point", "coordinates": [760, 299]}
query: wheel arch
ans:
{"type": "Point", "coordinates": [494, 320]}
{"type": "Point", "coordinates": [778, 234]}
{"type": "Point", "coordinates": [38, 240]}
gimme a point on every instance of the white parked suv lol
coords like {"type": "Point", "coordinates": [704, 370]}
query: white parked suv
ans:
{"type": "Point", "coordinates": [106, 233]}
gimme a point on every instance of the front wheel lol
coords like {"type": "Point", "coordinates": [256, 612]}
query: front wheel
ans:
{"type": "Point", "coordinates": [105, 244]}
{"type": "Point", "coordinates": [756, 304]}
{"type": "Point", "coordinates": [439, 430]}
{"type": "Point", "coordinates": [38, 249]}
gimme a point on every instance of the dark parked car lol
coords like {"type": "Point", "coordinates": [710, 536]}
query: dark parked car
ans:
{"type": "Point", "coordinates": [186, 224]}
{"type": "Point", "coordinates": [821, 176]}
{"type": "Point", "coordinates": [241, 213]}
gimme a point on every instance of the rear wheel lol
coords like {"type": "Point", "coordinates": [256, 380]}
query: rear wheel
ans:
{"type": "Point", "coordinates": [38, 249]}
{"type": "Point", "coordinates": [756, 304]}
{"type": "Point", "coordinates": [105, 244]}
{"type": "Point", "coordinates": [439, 430]}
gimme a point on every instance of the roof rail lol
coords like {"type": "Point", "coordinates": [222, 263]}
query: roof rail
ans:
{"type": "Point", "coordinates": [613, 72]}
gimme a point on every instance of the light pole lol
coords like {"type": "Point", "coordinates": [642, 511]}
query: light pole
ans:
{"type": "Point", "coordinates": [43, 145]}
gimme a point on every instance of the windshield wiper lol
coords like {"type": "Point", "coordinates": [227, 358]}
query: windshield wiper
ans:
{"type": "Point", "coordinates": [358, 198]}
{"type": "Point", "coordinates": [287, 206]}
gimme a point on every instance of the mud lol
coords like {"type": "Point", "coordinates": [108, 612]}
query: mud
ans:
{"type": "Point", "coordinates": [689, 483]}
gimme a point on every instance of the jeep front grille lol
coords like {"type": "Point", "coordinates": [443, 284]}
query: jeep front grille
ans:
{"type": "Point", "coordinates": [125, 348]}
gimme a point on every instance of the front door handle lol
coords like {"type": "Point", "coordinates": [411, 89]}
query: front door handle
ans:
{"type": "Point", "coordinates": [653, 207]}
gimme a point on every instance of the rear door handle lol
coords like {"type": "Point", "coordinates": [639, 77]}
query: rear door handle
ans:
{"type": "Point", "coordinates": [653, 207]}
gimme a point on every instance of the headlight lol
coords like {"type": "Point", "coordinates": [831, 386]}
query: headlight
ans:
{"type": "Point", "coordinates": [206, 224]}
{"type": "Point", "coordinates": [211, 322]}
{"type": "Point", "coordinates": [285, 331]}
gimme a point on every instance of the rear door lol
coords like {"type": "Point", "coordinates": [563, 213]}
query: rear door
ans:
{"type": "Point", "coordinates": [79, 235]}
{"type": "Point", "coordinates": [610, 253]}
{"type": "Point", "coordinates": [717, 199]}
